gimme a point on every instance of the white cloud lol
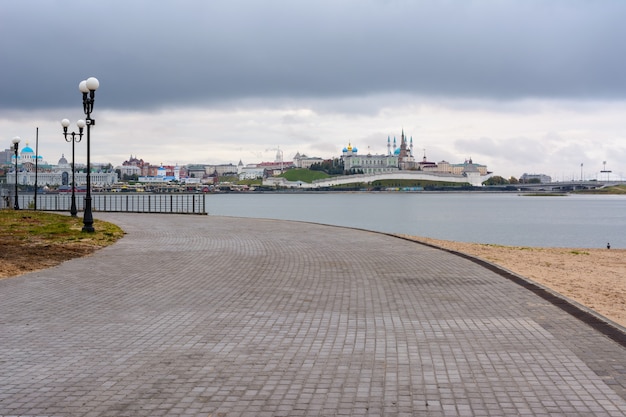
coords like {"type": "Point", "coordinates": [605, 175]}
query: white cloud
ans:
{"type": "Point", "coordinates": [551, 137]}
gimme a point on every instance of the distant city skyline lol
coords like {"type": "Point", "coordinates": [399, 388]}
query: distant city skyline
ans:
{"type": "Point", "coordinates": [518, 85]}
{"type": "Point", "coordinates": [603, 173]}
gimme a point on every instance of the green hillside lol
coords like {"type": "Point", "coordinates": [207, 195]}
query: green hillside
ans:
{"type": "Point", "coordinates": [304, 175]}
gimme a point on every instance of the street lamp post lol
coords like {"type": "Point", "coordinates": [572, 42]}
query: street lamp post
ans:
{"type": "Point", "coordinates": [606, 171]}
{"type": "Point", "coordinates": [75, 138]}
{"type": "Point", "coordinates": [88, 87]}
{"type": "Point", "coordinates": [36, 167]}
{"type": "Point", "coordinates": [16, 142]}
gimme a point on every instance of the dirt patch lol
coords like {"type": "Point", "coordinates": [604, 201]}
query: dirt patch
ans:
{"type": "Point", "coordinates": [34, 240]}
{"type": "Point", "coordinates": [20, 258]}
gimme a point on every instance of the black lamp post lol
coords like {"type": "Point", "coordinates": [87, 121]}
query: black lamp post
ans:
{"type": "Point", "coordinates": [75, 138]}
{"type": "Point", "coordinates": [16, 142]}
{"type": "Point", "coordinates": [88, 87]}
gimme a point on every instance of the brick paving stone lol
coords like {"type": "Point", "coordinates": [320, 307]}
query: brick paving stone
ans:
{"type": "Point", "coordinates": [209, 316]}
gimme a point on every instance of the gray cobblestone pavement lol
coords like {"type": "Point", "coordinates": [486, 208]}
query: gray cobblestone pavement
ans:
{"type": "Point", "coordinates": [209, 316]}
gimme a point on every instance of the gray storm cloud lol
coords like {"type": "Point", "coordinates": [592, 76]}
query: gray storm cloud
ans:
{"type": "Point", "coordinates": [152, 54]}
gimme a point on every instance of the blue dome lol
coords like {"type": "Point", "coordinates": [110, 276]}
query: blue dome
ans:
{"type": "Point", "coordinates": [345, 150]}
{"type": "Point", "coordinates": [27, 149]}
{"type": "Point", "coordinates": [355, 150]}
{"type": "Point", "coordinates": [397, 151]}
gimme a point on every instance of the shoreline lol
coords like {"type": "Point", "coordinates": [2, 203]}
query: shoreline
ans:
{"type": "Point", "coordinates": [594, 278]}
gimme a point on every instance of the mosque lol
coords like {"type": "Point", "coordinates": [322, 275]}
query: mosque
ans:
{"type": "Point", "coordinates": [401, 158]}
{"type": "Point", "coordinates": [53, 175]}
{"type": "Point", "coordinates": [398, 163]}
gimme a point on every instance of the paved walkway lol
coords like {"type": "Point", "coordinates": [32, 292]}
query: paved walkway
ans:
{"type": "Point", "coordinates": [209, 316]}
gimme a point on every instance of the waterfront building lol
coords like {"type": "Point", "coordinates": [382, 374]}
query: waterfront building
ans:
{"type": "Point", "coordinates": [252, 173]}
{"type": "Point", "coordinates": [249, 172]}
{"type": "Point", "coordinates": [131, 171]}
{"type": "Point", "coordinates": [6, 156]}
{"type": "Point", "coordinates": [276, 167]}
{"type": "Point", "coordinates": [367, 164]}
{"type": "Point", "coordinates": [141, 168]}
{"type": "Point", "coordinates": [543, 179]}
{"type": "Point", "coordinates": [196, 171]}
{"type": "Point", "coordinates": [458, 169]}
{"type": "Point", "coordinates": [135, 166]}
{"type": "Point", "coordinates": [167, 173]}
{"type": "Point", "coordinates": [402, 158]}
{"type": "Point", "coordinates": [305, 162]}
{"type": "Point", "coordinates": [221, 170]}
{"type": "Point", "coordinates": [55, 175]}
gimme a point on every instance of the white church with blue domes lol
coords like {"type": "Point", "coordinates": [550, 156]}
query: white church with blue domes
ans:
{"type": "Point", "coordinates": [33, 168]}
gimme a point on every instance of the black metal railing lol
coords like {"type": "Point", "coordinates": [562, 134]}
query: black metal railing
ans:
{"type": "Point", "coordinates": [180, 203]}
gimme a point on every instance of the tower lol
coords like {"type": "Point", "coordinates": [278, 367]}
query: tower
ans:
{"type": "Point", "coordinates": [405, 159]}
{"type": "Point", "coordinates": [404, 151]}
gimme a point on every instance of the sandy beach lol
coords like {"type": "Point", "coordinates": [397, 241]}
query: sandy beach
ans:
{"type": "Point", "coordinates": [595, 278]}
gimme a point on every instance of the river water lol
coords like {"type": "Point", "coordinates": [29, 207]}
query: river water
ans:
{"type": "Point", "coordinates": [574, 221]}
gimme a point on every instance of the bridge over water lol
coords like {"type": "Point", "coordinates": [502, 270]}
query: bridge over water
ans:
{"type": "Point", "coordinates": [560, 186]}
{"type": "Point", "coordinates": [474, 179]}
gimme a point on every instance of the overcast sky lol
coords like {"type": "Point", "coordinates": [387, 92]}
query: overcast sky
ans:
{"type": "Point", "coordinates": [535, 86]}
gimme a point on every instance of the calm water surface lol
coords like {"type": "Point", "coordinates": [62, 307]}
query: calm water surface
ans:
{"type": "Point", "coordinates": [582, 221]}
